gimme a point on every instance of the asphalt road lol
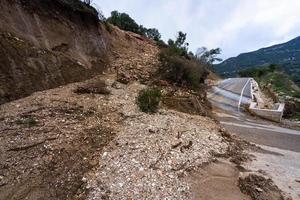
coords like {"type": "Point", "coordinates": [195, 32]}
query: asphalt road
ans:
{"type": "Point", "coordinates": [224, 99]}
{"type": "Point", "coordinates": [236, 85]}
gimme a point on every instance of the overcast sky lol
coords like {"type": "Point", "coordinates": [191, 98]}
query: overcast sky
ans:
{"type": "Point", "coordinates": [236, 26]}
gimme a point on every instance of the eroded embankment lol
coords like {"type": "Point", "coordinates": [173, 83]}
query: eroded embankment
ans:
{"type": "Point", "coordinates": [44, 44]}
{"type": "Point", "coordinates": [49, 140]}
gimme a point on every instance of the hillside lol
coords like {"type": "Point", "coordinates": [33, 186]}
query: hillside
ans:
{"type": "Point", "coordinates": [45, 44]}
{"type": "Point", "coordinates": [287, 55]}
{"type": "Point", "coordinates": [61, 141]}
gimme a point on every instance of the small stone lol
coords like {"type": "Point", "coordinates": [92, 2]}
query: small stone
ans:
{"type": "Point", "coordinates": [151, 131]}
{"type": "Point", "coordinates": [104, 155]}
{"type": "Point", "coordinates": [259, 189]}
{"type": "Point", "coordinates": [141, 169]}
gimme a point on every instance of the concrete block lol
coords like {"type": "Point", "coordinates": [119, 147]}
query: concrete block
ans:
{"type": "Point", "coordinates": [270, 114]}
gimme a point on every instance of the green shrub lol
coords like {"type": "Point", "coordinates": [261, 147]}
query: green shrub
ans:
{"type": "Point", "coordinates": [179, 47]}
{"type": "Point", "coordinates": [182, 71]}
{"type": "Point", "coordinates": [274, 75]}
{"type": "Point", "coordinates": [258, 72]}
{"type": "Point", "coordinates": [148, 100]}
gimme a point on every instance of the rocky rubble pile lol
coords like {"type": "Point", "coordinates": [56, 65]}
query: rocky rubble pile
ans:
{"type": "Point", "coordinates": [152, 153]}
{"type": "Point", "coordinates": [263, 101]}
{"type": "Point", "coordinates": [55, 138]}
{"type": "Point", "coordinates": [141, 66]}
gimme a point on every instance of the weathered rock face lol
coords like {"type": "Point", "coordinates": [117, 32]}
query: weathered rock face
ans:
{"type": "Point", "coordinates": [44, 44]}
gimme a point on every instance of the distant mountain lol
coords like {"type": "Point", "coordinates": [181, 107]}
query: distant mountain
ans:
{"type": "Point", "coordinates": [287, 55]}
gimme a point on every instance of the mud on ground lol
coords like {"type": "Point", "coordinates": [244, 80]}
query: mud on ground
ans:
{"type": "Point", "coordinates": [260, 188]}
{"type": "Point", "coordinates": [254, 185]}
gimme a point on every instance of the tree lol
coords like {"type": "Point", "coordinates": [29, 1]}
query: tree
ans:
{"type": "Point", "coordinates": [181, 66]}
{"type": "Point", "coordinates": [123, 21]}
{"type": "Point", "coordinates": [208, 56]}
{"type": "Point", "coordinates": [153, 33]}
{"type": "Point", "coordinates": [126, 23]}
{"type": "Point", "coordinates": [179, 46]}
{"type": "Point", "coordinates": [99, 11]}
{"type": "Point", "coordinates": [142, 30]}
{"type": "Point", "coordinates": [180, 40]}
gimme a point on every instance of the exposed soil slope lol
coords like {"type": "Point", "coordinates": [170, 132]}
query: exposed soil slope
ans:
{"type": "Point", "coordinates": [44, 44]}
{"type": "Point", "coordinates": [49, 140]}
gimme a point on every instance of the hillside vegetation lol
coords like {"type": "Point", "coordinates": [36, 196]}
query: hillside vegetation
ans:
{"type": "Point", "coordinates": [125, 22]}
{"type": "Point", "coordinates": [287, 55]}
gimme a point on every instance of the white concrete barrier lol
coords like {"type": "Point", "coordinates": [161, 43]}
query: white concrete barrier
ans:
{"type": "Point", "coordinates": [270, 114]}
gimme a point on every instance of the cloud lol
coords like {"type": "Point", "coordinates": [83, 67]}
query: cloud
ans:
{"type": "Point", "coordinates": [235, 26]}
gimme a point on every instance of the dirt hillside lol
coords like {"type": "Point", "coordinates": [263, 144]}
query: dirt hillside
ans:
{"type": "Point", "coordinates": [52, 142]}
{"type": "Point", "coordinates": [45, 44]}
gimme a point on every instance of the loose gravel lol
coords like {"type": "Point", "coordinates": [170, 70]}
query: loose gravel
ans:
{"type": "Point", "coordinates": [152, 154]}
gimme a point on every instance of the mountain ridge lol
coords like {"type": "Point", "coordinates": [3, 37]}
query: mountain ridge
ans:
{"type": "Point", "coordinates": [285, 54]}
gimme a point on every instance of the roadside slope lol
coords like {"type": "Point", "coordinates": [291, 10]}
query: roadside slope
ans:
{"type": "Point", "coordinates": [45, 44]}
{"type": "Point", "coordinates": [52, 141]}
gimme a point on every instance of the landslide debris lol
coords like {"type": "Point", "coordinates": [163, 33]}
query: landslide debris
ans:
{"type": "Point", "coordinates": [260, 188]}
{"type": "Point", "coordinates": [95, 87]}
{"type": "Point", "coordinates": [152, 153]}
{"type": "Point", "coordinates": [48, 142]}
{"type": "Point", "coordinates": [89, 140]}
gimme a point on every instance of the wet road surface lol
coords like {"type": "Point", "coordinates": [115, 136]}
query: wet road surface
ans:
{"type": "Point", "coordinates": [236, 86]}
{"type": "Point", "coordinates": [283, 165]}
{"type": "Point", "coordinates": [224, 99]}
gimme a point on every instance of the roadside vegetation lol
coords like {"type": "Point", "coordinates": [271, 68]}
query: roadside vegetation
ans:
{"type": "Point", "coordinates": [278, 85]}
{"type": "Point", "coordinates": [182, 67]}
{"type": "Point", "coordinates": [149, 99]}
{"type": "Point", "coordinates": [274, 77]}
